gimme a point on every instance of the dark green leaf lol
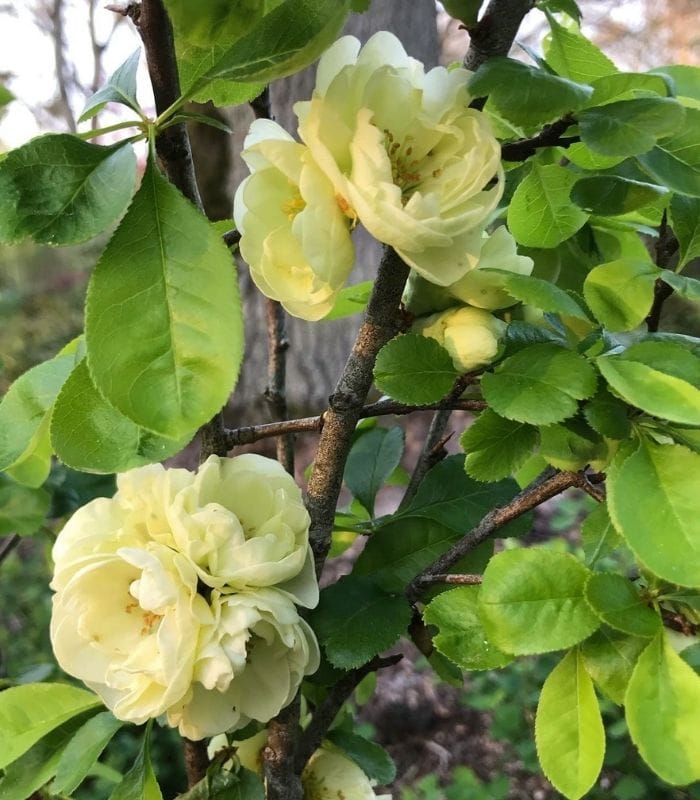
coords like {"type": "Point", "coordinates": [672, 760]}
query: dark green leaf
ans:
{"type": "Point", "coordinates": [685, 221]}
{"type": "Point", "coordinates": [571, 445]}
{"type": "Point", "coordinates": [120, 88]}
{"type": "Point", "coordinates": [372, 759]}
{"type": "Point", "coordinates": [611, 195]}
{"type": "Point", "coordinates": [22, 508]}
{"type": "Point", "coordinates": [543, 294]}
{"type": "Point", "coordinates": [372, 459]}
{"type": "Point", "coordinates": [496, 447]}
{"type": "Point", "coordinates": [467, 11]}
{"type": "Point", "coordinates": [675, 161]}
{"type": "Point", "coordinates": [618, 603]}
{"type": "Point", "coordinates": [684, 286]}
{"type": "Point", "coordinates": [608, 415]}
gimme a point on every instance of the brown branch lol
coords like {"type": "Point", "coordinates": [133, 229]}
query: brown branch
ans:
{"type": "Point", "coordinates": [196, 760]}
{"type": "Point", "coordinates": [328, 710]}
{"type": "Point", "coordinates": [275, 392]}
{"type": "Point", "coordinates": [279, 756]}
{"type": "Point", "coordinates": [665, 248]}
{"type": "Point", "coordinates": [495, 32]}
{"type": "Point", "coordinates": [548, 485]}
{"type": "Point", "coordinates": [549, 136]}
{"type": "Point", "coordinates": [453, 578]}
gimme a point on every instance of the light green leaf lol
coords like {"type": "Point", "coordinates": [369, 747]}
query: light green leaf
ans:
{"type": "Point", "coordinates": [370, 757]}
{"type": "Point", "coordinates": [164, 331]}
{"type": "Point", "coordinates": [568, 728]}
{"type": "Point", "coordinates": [573, 56]}
{"type": "Point", "coordinates": [91, 436]}
{"type": "Point", "coordinates": [542, 294]}
{"type": "Point", "coordinates": [598, 535]}
{"type": "Point", "coordinates": [350, 300]}
{"type": "Point", "coordinates": [630, 127]}
{"type": "Point", "coordinates": [654, 503]}
{"type": "Point", "coordinates": [628, 85]}
{"type": "Point", "coordinates": [414, 369]}
{"type": "Point", "coordinates": [22, 508]}
{"type": "Point", "coordinates": [83, 751]}
{"type": "Point", "coordinates": [684, 286]}
{"type": "Point", "coordinates": [620, 293]}
{"type": "Point", "coordinates": [58, 189]}
{"type": "Point", "coordinates": [373, 457]}
{"type": "Point", "coordinates": [675, 161]}
{"type": "Point", "coordinates": [30, 711]}
{"type": "Point", "coordinates": [496, 447]}
{"type": "Point", "coordinates": [685, 78]}
{"type": "Point", "coordinates": [618, 603]}
{"type": "Point", "coordinates": [541, 213]}
{"type": "Point", "coordinates": [526, 95]}
{"type": "Point", "coordinates": [612, 195]}
{"type": "Point", "coordinates": [140, 782]}
{"type": "Point", "coordinates": [661, 378]}
{"type": "Point", "coordinates": [685, 221]}
{"type": "Point", "coordinates": [6, 96]}
{"type": "Point", "coordinates": [194, 61]}
{"type": "Point", "coordinates": [610, 657]}
{"type": "Point", "coordinates": [211, 22]}
{"type": "Point", "coordinates": [540, 384]}
{"type": "Point", "coordinates": [533, 601]}
{"type": "Point", "coordinates": [355, 620]}
{"type": "Point", "coordinates": [120, 88]}
{"type": "Point", "coordinates": [662, 709]}
{"type": "Point", "coordinates": [461, 636]}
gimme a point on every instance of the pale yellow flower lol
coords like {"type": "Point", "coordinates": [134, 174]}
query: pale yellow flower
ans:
{"type": "Point", "coordinates": [404, 152]}
{"type": "Point", "coordinates": [295, 234]}
{"type": "Point", "coordinates": [471, 336]}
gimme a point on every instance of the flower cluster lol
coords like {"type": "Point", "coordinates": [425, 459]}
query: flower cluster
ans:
{"type": "Point", "coordinates": [177, 596]}
{"type": "Point", "coordinates": [385, 144]}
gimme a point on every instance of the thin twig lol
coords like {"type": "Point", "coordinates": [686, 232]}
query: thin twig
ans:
{"type": "Point", "coordinates": [548, 485]}
{"type": "Point", "coordinates": [453, 578]}
{"type": "Point", "coordinates": [8, 544]}
{"type": "Point", "coordinates": [549, 136]}
{"type": "Point", "coordinates": [275, 393]}
{"type": "Point", "coordinates": [325, 713]}
{"type": "Point", "coordinates": [430, 454]}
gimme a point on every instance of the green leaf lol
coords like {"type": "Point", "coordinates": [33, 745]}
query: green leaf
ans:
{"type": "Point", "coordinates": [541, 213]}
{"type": "Point", "coordinates": [653, 501]}
{"type": "Point", "coordinates": [568, 728]}
{"type": "Point", "coordinates": [598, 535]}
{"type": "Point", "coordinates": [542, 294]}
{"type": "Point", "coordinates": [6, 96]}
{"type": "Point", "coordinates": [355, 620]}
{"type": "Point", "coordinates": [610, 657]}
{"type": "Point", "coordinates": [569, 7]}
{"type": "Point", "coordinates": [461, 635]}
{"type": "Point", "coordinates": [194, 61]}
{"type": "Point", "coordinates": [29, 712]}
{"type": "Point", "coordinates": [617, 602]}
{"type": "Point", "coordinates": [83, 751]}
{"type": "Point", "coordinates": [662, 709]}
{"type": "Point", "coordinates": [414, 369]}
{"type": "Point", "coordinates": [91, 436]}
{"type": "Point", "coordinates": [628, 85]}
{"type": "Point", "coordinates": [58, 189]}
{"type": "Point", "coordinates": [533, 601]}
{"type": "Point", "coordinates": [629, 127]}
{"type": "Point", "coordinates": [467, 11]}
{"type": "Point", "coordinates": [140, 782]}
{"type": "Point", "coordinates": [526, 95]}
{"type": "Point", "coordinates": [120, 88]}
{"type": "Point", "coordinates": [496, 447]}
{"type": "Point", "coordinates": [164, 331]}
{"type": "Point", "coordinates": [350, 300]}
{"type": "Point", "coordinates": [213, 21]}
{"type": "Point", "coordinates": [22, 508]}
{"type": "Point", "coordinates": [612, 195]}
{"type": "Point", "coordinates": [682, 285]}
{"type": "Point", "coordinates": [374, 456]}
{"type": "Point", "coordinates": [675, 161]}
{"type": "Point", "coordinates": [370, 757]}
{"type": "Point", "coordinates": [608, 415]}
{"type": "Point", "coordinates": [540, 384]}
{"type": "Point", "coordinates": [661, 378]}
{"type": "Point", "coordinates": [38, 764]}
{"type": "Point", "coordinates": [571, 445]}
{"type": "Point", "coordinates": [221, 784]}
{"type": "Point", "coordinates": [573, 56]}
{"type": "Point", "coordinates": [685, 221]}
{"type": "Point", "coordinates": [620, 293]}
{"type": "Point", "coordinates": [685, 79]}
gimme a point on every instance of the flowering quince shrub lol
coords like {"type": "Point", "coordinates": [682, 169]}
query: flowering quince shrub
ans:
{"type": "Point", "coordinates": [536, 219]}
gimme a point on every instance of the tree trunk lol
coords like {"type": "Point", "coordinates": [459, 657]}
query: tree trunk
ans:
{"type": "Point", "coordinates": [317, 351]}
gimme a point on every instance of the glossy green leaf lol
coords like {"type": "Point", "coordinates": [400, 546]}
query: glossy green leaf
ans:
{"type": "Point", "coordinates": [370, 757]}
{"type": "Point", "coordinates": [653, 501]}
{"type": "Point", "coordinates": [685, 221]}
{"type": "Point", "coordinates": [89, 435]}
{"type": "Point", "coordinates": [83, 751]}
{"type": "Point", "coordinates": [373, 458]}
{"type": "Point", "coordinates": [461, 635]}
{"type": "Point", "coordinates": [573, 56]}
{"type": "Point", "coordinates": [540, 384]}
{"type": "Point", "coordinates": [414, 369]}
{"type": "Point", "coordinates": [164, 331]}
{"type": "Point", "coordinates": [661, 378]}
{"type": "Point", "coordinates": [612, 195]}
{"type": "Point", "coordinates": [598, 535]}
{"type": "Point", "coordinates": [571, 445]}
{"type": "Point", "coordinates": [675, 161]}
{"type": "Point", "coordinates": [140, 782]}
{"type": "Point", "coordinates": [629, 127]}
{"type": "Point", "coordinates": [569, 729]}
{"type": "Point", "coordinates": [527, 95]}
{"type": "Point", "coordinates": [533, 601]}
{"type": "Point", "coordinates": [120, 88]}
{"type": "Point", "coordinates": [496, 447]}
{"type": "Point", "coordinates": [662, 708]}
{"type": "Point", "coordinates": [542, 294]}
{"type": "Point", "coordinates": [30, 711]}
{"type": "Point", "coordinates": [541, 213]}
{"type": "Point", "coordinates": [22, 508]}
{"type": "Point", "coordinates": [59, 190]}
{"type": "Point", "coordinates": [608, 415]}
{"type": "Point", "coordinates": [356, 619]}
{"type": "Point", "coordinates": [620, 293]}
{"type": "Point", "coordinates": [617, 602]}
{"type": "Point", "coordinates": [610, 657]}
